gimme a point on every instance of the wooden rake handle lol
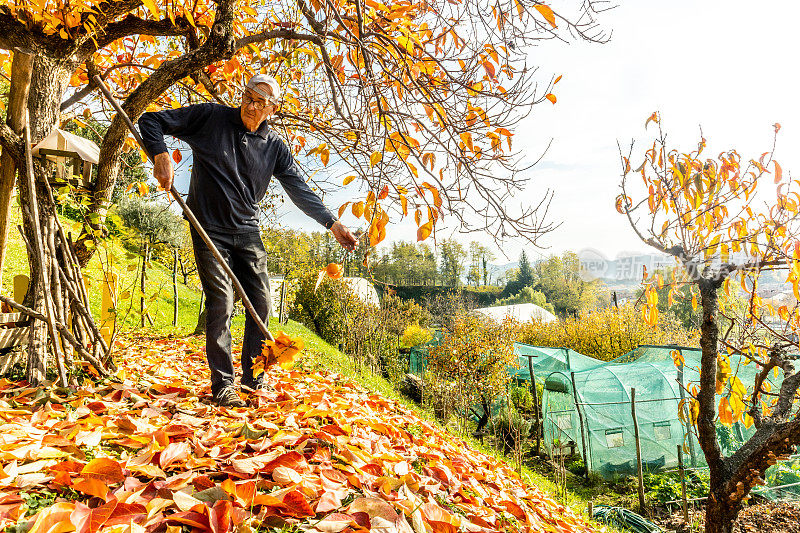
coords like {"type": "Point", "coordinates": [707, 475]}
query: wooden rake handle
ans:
{"type": "Point", "coordinates": [189, 215]}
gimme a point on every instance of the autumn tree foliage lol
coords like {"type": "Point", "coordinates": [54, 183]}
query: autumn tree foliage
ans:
{"type": "Point", "coordinates": [413, 102]}
{"type": "Point", "coordinates": [727, 220]}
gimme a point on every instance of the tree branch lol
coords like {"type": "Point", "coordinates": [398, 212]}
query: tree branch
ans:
{"type": "Point", "coordinates": [11, 141]}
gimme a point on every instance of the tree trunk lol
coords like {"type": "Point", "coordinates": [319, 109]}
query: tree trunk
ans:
{"type": "Point", "coordinates": [17, 104]}
{"type": "Point", "coordinates": [720, 514]}
{"type": "Point", "coordinates": [175, 287]}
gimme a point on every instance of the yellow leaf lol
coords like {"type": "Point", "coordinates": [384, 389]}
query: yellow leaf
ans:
{"type": "Point", "coordinates": [358, 209]}
{"type": "Point", "coordinates": [152, 7]}
{"type": "Point", "coordinates": [375, 158]}
{"type": "Point", "coordinates": [547, 13]}
{"type": "Point", "coordinates": [467, 138]}
{"type": "Point", "coordinates": [348, 180]}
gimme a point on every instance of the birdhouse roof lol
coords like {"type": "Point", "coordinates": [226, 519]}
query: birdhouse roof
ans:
{"type": "Point", "coordinates": [69, 142]}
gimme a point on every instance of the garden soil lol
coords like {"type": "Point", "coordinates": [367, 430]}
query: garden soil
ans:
{"type": "Point", "coordinates": [769, 517]}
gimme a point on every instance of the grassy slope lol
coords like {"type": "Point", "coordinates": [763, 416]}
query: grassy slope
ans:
{"type": "Point", "coordinates": [159, 283]}
{"type": "Point", "coordinates": [126, 266]}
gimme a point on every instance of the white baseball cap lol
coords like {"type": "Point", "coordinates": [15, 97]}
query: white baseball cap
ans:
{"type": "Point", "coordinates": [269, 80]}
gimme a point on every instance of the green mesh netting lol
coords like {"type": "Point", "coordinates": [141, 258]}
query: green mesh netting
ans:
{"type": "Point", "coordinates": [545, 361]}
{"type": "Point", "coordinates": [602, 426]}
{"type": "Point", "coordinates": [418, 356]}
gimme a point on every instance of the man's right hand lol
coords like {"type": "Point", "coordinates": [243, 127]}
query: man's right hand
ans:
{"type": "Point", "coordinates": [163, 171]}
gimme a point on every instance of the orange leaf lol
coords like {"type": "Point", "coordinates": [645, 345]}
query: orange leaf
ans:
{"type": "Point", "coordinates": [384, 193]}
{"type": "Point", "coordinates": [104, 469]}
{"type": "Point", "coordinates": [358, 209]}
{"type": "Point", "coordinates": [177, 156]}
{"type": "Point", "coordinates": [54, 519]}
{"type": "Point", "coordinates": [92, 487]}
{"type": "Point", "coordinates": [424, 231]}
{"type": "Point", "coordinates": [219, 517]}
{"type": "Point", "coordinates": [174, 452]}
{"type": "Point", "coordinates": [124, 513]}
{"type": "Point", "coordinates": [547, 13]}
{"type": "Point", "coordinates": [653, 117]}
{"type": "Point", "coordinates": [88, 520]}
{"type": "Point", "coordinates": [143, 188]}
{"type": "Point", "coordinates": [297, 505]}
{"type": "Point", "coordinates": [551, 97]}
{"type": "Point", "coordinates": [725, 412]}
{"type": "Point", "coordinates": [342, 208]}
{"type": "Point", "coordinates": [778, 172]}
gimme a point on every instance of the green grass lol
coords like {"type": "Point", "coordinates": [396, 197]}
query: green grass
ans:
{"type": "Point", "coordinates": [126, 264]}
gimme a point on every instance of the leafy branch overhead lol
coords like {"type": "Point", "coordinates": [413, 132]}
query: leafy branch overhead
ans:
{"type": "Point", "coordinates": [418, 101]}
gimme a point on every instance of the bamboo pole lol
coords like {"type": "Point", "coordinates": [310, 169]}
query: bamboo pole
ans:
{"type": "Point", "coordinates": [37, 246]}
{"type": "Point", "coordinates": [639, 474]}
{"type": "Point", "coordinates": [580, 420]}
{"type": "Point", "coordinates": [190, 216]}
{"type": "Point", "coordinates": [535, 404]}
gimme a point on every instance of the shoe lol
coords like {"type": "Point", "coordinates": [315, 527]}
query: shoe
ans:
{"type": "Point", "coordinates": [249, 389]}
{"type": "Point", "coordinates": [227, 397]}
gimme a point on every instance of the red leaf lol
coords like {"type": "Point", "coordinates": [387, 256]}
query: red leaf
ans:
{"type": "Point", "coordinates": [297, 505]}
{"type": "Point", "coordinates": [289, 459]}
{"type": "Point", "coordinates": [125, 513]}
{"type": "Point", "coordinates": [191, 518]}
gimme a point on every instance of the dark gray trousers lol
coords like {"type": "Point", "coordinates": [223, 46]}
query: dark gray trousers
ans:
{"type": "Point", "coordinates": [246, 256]}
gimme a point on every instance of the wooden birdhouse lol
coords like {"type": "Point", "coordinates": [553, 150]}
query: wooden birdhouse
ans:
{"type": "Point", "coordinates": [73, 156]}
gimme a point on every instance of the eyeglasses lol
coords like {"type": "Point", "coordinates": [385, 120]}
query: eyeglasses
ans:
{"type": "Point", "coordinates": [258, 105]}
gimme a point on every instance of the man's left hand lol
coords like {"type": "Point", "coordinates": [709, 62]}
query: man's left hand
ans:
{"type": "Point", "coordinates": [343, 236]}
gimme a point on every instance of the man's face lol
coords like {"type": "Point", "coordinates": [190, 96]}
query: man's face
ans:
{"type": "Point", "coordinates": [256, 108]}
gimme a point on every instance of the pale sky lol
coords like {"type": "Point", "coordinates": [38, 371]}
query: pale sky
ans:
{"type": "Point", "coordinates": [728, 66]}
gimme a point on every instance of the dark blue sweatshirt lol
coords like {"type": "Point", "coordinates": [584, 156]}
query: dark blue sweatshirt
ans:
{"type": "Point", "coordinates": [232, 166]}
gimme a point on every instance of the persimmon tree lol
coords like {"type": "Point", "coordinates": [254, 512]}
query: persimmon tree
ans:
{"type": "Point", "coordinates": [727, 221]}
{"type": "Point", "coordinates": [416, 102]}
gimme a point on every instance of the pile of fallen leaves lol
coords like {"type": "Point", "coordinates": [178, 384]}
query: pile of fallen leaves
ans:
{"type": "Point", "coordinates": [151, 453]}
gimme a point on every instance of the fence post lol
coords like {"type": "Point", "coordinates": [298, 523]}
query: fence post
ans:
{"type": "Point", "coordinates": [580, 421]}
{"type": "Point", "coordinates": [683, 485]}
{"type": "Point", "coordinates": [638, 450]}
{"type": "Point", "coordinates": [108, 311]}
{"type": "Point", "coordinates": [283, 299]}
{"type": "Point", "coordinates": [535, 404]}
{"type": "Point", "coordinates": [686, 417]}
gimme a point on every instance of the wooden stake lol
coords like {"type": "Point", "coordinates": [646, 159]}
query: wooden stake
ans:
{"type": "Point", "coordinates": [684, 503]}
{"type": "Point", "coordinates": [638, 450]}
{"type": "Point", "coordinates": [535, 405]}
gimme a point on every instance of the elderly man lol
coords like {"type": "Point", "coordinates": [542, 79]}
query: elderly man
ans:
{"type": "Point", "coordinates": [235, 154]}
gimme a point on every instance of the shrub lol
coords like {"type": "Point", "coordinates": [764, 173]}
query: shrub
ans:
{"type": "Point", "coordinates": [368, 333]}
{"type": "Point", "coordinates": [473, 358]}
{"type": "Point", "coordinates": [414, 335]}
{"type": "Point", "coordinates": [511, 429]}
{"type": "Point", "coordinates": [607, 333]}
{"type": "Point", "coordinates": [522, 399]}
